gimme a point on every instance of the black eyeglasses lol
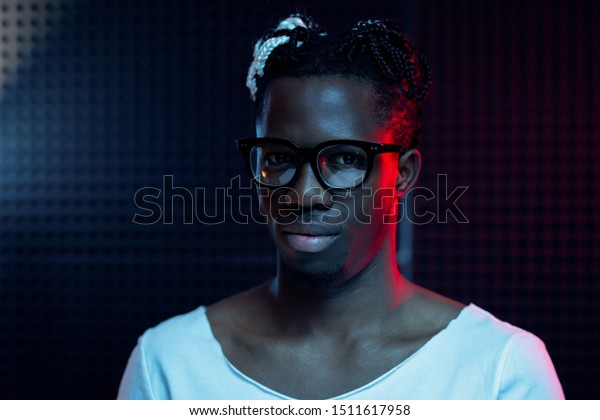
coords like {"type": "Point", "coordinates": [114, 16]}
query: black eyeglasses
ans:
{"type": "Point", "coordinates": [337, 164]}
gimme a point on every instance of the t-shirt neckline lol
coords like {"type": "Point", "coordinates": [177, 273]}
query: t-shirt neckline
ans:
{"type": "Point", "coordinates": [440, 335]}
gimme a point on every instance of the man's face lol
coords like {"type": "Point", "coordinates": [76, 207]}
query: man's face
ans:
{"type": "Point", "coordinates": [328, 236]}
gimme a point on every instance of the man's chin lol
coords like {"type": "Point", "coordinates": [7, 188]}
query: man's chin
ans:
{"type": "Point", "coordinates": [315, 278]}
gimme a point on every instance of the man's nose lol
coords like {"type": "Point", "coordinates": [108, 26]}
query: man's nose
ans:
{"type": "Point", "coordinates": [309, 191]}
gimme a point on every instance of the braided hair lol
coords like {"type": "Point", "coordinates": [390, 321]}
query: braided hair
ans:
{"type": "Point", "coordinates": [373, 51]}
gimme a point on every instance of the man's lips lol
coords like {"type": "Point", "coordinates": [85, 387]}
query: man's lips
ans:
{"type": "Point", "coordinates": [309, 242]}
{"type": "Point", "coordinates": [309, 237]}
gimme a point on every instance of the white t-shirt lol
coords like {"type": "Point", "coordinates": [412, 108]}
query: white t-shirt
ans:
{"type": "Point", "coordinates": [475, 357]}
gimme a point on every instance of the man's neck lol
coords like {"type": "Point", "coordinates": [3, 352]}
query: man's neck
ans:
{"type": "Point", "coordinates": [358, 303]}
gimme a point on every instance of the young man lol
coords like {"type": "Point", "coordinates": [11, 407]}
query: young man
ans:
{"type": "Point", "coordinates": [337, 123]}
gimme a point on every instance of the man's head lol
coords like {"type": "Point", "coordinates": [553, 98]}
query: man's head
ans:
{"type": "Point", "coordinates": [343, 149]}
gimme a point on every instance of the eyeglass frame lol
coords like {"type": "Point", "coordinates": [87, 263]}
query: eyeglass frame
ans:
{"type": "Point", "coordinates": [309, 154]}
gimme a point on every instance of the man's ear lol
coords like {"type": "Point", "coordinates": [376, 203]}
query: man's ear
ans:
{"type": "Point", "coordinates": [409, 167]}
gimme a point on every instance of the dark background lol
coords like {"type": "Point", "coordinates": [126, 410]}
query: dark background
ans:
{"type": "Point", "coordinates": [115, 94]}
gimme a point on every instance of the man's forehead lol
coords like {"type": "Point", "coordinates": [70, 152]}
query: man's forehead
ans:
{"type": "Point", "coordinates": [324, 90]}
{"type": "Point", "coordinates": [322, 108]}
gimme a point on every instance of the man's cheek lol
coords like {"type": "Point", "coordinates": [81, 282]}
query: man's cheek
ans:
{"type": "Point", "coordinates": [282, 205]}
{"type": "Point", "coordinates": [377, 206]}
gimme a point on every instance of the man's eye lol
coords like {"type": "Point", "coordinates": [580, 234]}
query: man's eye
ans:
{"type": "Point", "coordinates": [345, 159]}
{"type": "Point", "coordinates": [278, 158]}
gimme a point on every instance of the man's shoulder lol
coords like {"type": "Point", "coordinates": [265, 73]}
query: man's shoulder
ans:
{"type": "Point", "coordinates": [182, 331]}
{"type": "Point", "coordinates": [479, 335]}
{"type": "Point", "coordinates": [465, 322]}
{"type": "Point", "coordinates": [200, 324]}
{"type": "Point", "coordinates": [485, 325]}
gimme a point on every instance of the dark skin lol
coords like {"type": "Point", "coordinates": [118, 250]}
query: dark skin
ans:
{"type": "Point", "coordinates": [337, 318]}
